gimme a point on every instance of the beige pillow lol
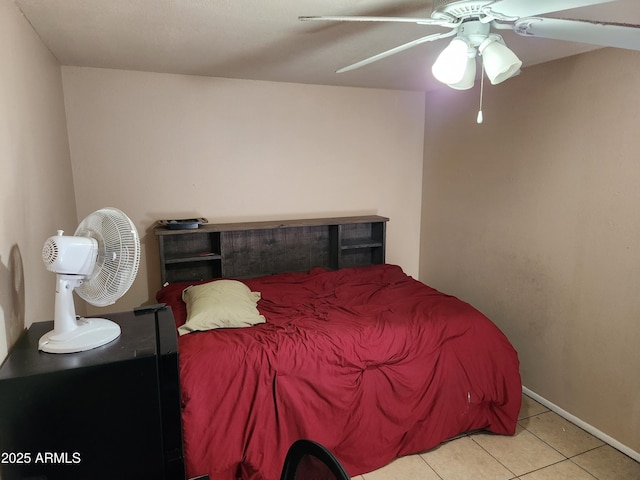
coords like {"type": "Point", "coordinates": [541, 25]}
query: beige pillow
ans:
{"type": "Point", "coordinates": [220, 304]}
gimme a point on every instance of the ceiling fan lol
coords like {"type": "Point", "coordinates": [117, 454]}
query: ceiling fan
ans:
{"type": "Point", "coordinates": [471, 23]}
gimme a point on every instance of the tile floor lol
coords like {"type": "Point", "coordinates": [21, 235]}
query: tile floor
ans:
{"type": "Point", "coordinates": [545, 447]}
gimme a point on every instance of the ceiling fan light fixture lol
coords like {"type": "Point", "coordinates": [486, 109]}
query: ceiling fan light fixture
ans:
{"type": "Point", "coordinates": [453, 62]}
{"type": "Point", "coordinates": [471, 22]}
{"type": "Point", "coordinates": [469, 78]}
{"type": "Point", "coordinates": [499, 61]}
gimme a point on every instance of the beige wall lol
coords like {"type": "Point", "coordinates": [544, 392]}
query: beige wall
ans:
{"type": "Point", "coordinates": [533, 217]}
{"type": "Point", "coordinates": [170, 146]}
{"type": "Point", "coordinates": [36, 186]}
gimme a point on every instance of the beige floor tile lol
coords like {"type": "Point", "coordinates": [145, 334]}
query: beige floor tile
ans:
{"type": "Point", "coordinates": [566, 470]}
{"type": "Point", "coordinates": [530, 407]}
{"type": "Point", "coordinates": [607, 463]}
{"type": "Point", "coordinates": [521, 453]}
{"type": "Point", "coordinates": [561, 434]}
{"type": "Point", "coordinates": [462, 459]}
{"type": "Point", "coordinates": [411, 467]}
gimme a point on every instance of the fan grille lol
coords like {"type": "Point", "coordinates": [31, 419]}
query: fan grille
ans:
{"type": "Point", "coordinates": [50, 252]}
{"type": "Point", "coordinates": [118, 256]}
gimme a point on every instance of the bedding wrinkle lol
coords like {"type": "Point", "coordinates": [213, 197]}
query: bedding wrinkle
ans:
{"type": "Point", "coordinates": [367, 361]}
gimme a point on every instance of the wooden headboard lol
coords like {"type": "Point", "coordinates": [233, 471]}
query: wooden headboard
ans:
{"type": "Point", "coordinates": [252, 249]}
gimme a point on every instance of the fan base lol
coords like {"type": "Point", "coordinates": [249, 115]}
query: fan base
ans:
{"type": "Point", "coordinates": [90, 333]}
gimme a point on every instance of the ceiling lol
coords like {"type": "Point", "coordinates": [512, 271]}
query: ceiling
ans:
{"type": "Point", "coordinates": [264, 40]}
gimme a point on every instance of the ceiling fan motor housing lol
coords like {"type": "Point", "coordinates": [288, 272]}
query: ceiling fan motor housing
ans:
{"type": "Point", "coordinates": [458, 8]}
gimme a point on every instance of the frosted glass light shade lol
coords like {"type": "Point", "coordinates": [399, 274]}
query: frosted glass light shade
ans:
{"type": "Point", "coordinates": [451, 64]}
{"type": "Point", "coordinates": [500, 63]}
{"type": "Point", "coordinates": [469, 76]}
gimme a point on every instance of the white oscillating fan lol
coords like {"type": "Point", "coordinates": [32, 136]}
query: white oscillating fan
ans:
{"type": "Point", "coordinates": [100, 262]}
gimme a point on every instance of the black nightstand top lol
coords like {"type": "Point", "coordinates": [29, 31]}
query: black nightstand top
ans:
{"type": "Point", "coordinates": [137, 340]}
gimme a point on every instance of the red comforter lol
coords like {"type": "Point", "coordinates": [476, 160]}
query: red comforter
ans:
{"type": "Point", "coordinates": [367, 361]}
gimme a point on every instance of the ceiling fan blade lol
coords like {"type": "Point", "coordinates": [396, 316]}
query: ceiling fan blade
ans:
{"type": "Point", "coordinates": [418, 20]}
{"type": "Point", "coordinates": [529, 8]}
{"type": "Point", "coordinates": [398, 49]}
{"type": "Point", "coordinates": [591, 32]}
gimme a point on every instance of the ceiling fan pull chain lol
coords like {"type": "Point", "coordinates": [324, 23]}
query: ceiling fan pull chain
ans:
{"type": "Point", "coordinates": [480, 118]}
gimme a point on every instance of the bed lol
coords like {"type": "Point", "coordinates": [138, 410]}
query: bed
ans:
{"type": "Point", "coordinates": [366, 360]}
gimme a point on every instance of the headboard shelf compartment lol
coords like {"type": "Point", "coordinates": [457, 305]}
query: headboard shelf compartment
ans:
{"type": "Point", "coordinates": [360, 244]}
{"type": "Point", "coordinates": [250, 249]}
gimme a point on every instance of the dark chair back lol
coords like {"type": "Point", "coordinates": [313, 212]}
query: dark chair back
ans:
{"type": "Point", "coordinates": [308, 460]}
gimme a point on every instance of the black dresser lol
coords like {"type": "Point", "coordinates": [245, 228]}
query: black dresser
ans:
{"type": "Point", "coordinates": [108, 413]}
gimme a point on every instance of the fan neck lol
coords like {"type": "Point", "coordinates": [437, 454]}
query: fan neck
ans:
{"type": "Point", "coordinates": [474, 32]}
